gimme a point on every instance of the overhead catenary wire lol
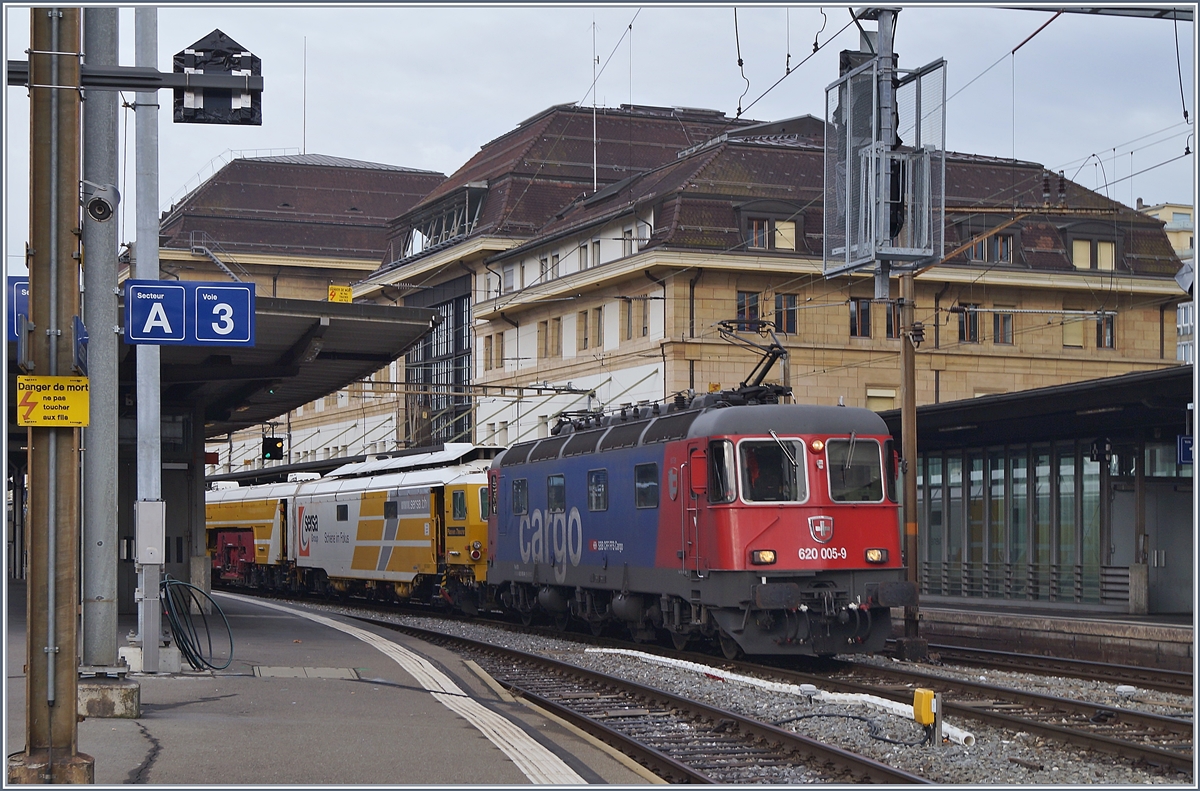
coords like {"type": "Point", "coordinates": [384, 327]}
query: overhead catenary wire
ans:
{"type": "Point", "coordinates": [741, 64]}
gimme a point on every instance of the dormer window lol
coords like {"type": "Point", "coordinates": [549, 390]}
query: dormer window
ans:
{"type": "Point", "coordinates": [769, 233]}
{"type": "Point", "coordinates": [996, 249]}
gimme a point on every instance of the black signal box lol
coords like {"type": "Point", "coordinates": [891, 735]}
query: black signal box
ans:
{"type": "Point", "coordinates": [272, 449]}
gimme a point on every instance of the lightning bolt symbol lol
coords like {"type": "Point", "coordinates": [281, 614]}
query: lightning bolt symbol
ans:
{"type": "Point", "coordinates": [26, 402]}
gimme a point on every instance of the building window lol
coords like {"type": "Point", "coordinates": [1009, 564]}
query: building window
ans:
{"type": "Point", "coordinates": [581, 326]}
{"type": "Point", "coordinates": [645, 317]}
{"type": "Point", "coordinates": [598, 327]}
{"type": "Point", "coordinates": [498, 362]}
{"type": "Point", "coordinates": [627, 242]}
{"type": "Point", "coordinates": [1073, 331]}
{"type": "Point", "coordinates": [553, 273]}
{"type": "Point", "coordinates": [785, 312]}
{"type": "Point", "coordinates": [968, 323]}
{"type": "Point", "coordinates": [893, 318]}
{"type": "Point", "coordinates": [555, 337]}
{"type": "Point", "coordinates": [996, 249]}
{"type": "Point", "coordinates": [784, 237]}
{"type": "Point", "coordinates": [1106, 331]}
{"type": "Point", "coordinates": [487, 353]}
{"type": "Point", "coordinates": [860, 318]}
{"type": "Point", "coordinates": [543, 339]}
{"type": "Point", "coordinates": [747, 310]}
{"type": "Point", "coordinates": [1002, 325]}
{"type": "Point", "coordinates": [1093, 254]}
{"type": "Point", "coordinates": [757, 229]}
{"type": "Point", "coordinates": [880, 399]}
{"type": "Point", "coordinates": [510, 274]}
{"type": "Point", "coordinates": [595, 252]}
{"type": "Point", "coordinates": [627, 320]}
{"type": "Point", "coordinates": [583, 256]}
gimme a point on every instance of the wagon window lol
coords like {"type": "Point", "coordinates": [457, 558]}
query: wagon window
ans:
{"type": "Point", "coordinates": [597, 490]}
{"type": "Point", "coordinates": [855, 470]}
{"type": "Point", "coordinates": [556, 494]}
{"type": "Point", "coordinates": [645, 485]}
{"type": "Point", "coordinates": [343, 513]}
{"type": "Point", "coordinates": [458, 500]}
{"type": "Point", "coordinates": [390, 509]}
{"type": "Point", "coordinates": [720, 471]}
{"type": "Point", "coordinates": [520, 496]}
{"type": "Point", "coordinates": [773, 471]}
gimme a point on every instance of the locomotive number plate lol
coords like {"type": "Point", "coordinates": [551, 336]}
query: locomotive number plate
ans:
{"type": "Point", "coordinates": [822, 553]}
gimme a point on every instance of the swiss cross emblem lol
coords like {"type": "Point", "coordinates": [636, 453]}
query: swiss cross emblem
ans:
{"type": "Point", "coordinates": [821, 528]}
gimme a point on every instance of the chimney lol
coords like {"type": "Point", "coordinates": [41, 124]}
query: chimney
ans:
{"type": "Point", "coordinates": [1140, 205]}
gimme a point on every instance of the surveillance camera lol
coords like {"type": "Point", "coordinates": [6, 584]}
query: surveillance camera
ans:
{"type": "Point", "coordinates": [102, 203]}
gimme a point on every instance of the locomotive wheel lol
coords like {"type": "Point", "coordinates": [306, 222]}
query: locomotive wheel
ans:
{"type": "Point", "coordinates": [526, 618]}
{"type": "Point", "coordinates": [680, 640]}
{"type": "Point", "coordinates": [729, 646]}
{"type": "Point", "coordinates": [562, 620]}
{"type": "Point", "coordinates": [597, 628]}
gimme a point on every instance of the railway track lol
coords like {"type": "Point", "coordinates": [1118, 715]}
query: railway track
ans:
{"type": "Point", "coordinates": [1155, 739]}
{"type": "Point", "coordinates": [1141, 737]}
{"type": "Point", "coordinates": [1147, 678]}
{"type": "Point", "coordinates": [681, 740]}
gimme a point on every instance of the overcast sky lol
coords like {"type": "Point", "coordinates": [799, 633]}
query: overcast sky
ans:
{"type": "Point", "coordinates": [1098, 97]}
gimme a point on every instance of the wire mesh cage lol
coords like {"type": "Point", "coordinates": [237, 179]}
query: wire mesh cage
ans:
{"type": "Point", "coordinates": [885, 201]}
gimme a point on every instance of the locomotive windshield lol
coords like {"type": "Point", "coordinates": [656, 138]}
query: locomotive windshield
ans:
{"type": "Point", "coordinates": [772, 471]}
{"type": "Point", "coordinates": [855, 470]}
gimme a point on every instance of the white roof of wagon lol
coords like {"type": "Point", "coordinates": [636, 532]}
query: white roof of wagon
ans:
{"type": "Point", "coordinates": [449, 454]}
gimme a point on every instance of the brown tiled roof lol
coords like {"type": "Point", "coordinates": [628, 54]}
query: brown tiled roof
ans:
{"type": "Point", "coordinates": [538, 168]}
{"type": "Point", "coordinates": [697, 199]}
{"type": "Point", "coordinates": [298, 205]}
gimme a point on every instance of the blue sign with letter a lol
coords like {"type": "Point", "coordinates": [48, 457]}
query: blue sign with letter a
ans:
{"type": "Point", "coordinates": [188, 313]}
{"type": "Point", "coordinates": [18, 302]}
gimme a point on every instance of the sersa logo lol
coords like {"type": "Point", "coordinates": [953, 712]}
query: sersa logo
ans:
{"type": "Point", "coordinates": [308, 530]}
{"type": "Point", "coordinates": [821, 528]}
{"type": "Point", "coordinates": [554, 538]}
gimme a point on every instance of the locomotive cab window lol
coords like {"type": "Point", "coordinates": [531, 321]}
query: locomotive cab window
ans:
{"type": "Point", "coordinates": [855, 470]}
{"type": "Point", "coordinates": [483, 503]}
{"type": "Point", "coordinates": [520, 496]}
{"type": "Point", "coordinates": [343, 513]}
{"type": "Point", "coordinates": [645, 485]}
{"type": "Point", "coordinates": [458, 507]}
{"type": "Point", "coordinates": [772, 471]}
{"type": "Point", "coordinates": [556, 494]}
{"type": "Point", "coordinates": [597, 490]}
{"type": "Point", "coordinates": [720, 472]}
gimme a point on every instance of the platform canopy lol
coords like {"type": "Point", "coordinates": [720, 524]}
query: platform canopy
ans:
{"type": "Point", "coordinates": [304, 350]}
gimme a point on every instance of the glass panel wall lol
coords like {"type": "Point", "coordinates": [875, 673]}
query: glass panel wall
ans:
{"type": "Point", "coordinates": [1018, 520]}
{"type": "Point", "coordinates": [1064, 455]}
{"type": "Point", "coordinates": [954, 525]}
{"type": "Point", "coordinates": [997, 578]}
{"type": "Point", "coordinates": [973, 578]}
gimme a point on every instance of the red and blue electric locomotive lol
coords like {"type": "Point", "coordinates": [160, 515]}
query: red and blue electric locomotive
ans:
{"type": "Point", "coordinates": [771, 527]}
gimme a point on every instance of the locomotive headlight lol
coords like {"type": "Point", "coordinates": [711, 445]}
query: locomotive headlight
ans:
{"type": "Point", "coordinates": [877, 555]}
{"type": "Point", "coordinates": [476, 554]}
{"type": "Point", "coordinates": [477, 545]}
{"type": "Point", "coordinates": [818, 445]}
{"type": "Point", "coordinates": [762, 557]}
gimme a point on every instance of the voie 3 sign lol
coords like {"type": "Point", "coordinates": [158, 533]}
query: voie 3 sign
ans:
{"type": "Point", "coordinates": [189, 313]}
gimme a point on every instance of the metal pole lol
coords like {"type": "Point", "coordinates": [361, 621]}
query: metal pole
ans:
{"type": "Point", "coordinates": [100, 314]}
{"type": "Point", "coordinates": [908, 423]}
{"type": "Point", "coordinates": [887, 135]}
{"type": "Point", "coordinates": [53, 462]}
{"type": "Point", "coordinates": [149, 446]}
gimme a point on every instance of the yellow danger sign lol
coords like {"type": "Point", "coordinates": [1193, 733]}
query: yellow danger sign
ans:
{"type": "Point", "coordinates": [341, 294]}
{"type": "Point", "coordinates": [52, 401]}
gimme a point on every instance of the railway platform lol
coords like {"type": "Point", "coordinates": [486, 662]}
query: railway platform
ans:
{"type": "Point", "coordinates": [1162, 642]}
{"type": "Point", "coordinates": [312, 698]}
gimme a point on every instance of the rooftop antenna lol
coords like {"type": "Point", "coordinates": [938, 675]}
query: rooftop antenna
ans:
{"type": "Point", "coordinates": [595, 62]}
{"type": "Point", "coordinates": [304, 102]}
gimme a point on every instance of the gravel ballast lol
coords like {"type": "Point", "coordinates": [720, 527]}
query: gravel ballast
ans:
{"type": "Point", "coordinates": [998, 756]}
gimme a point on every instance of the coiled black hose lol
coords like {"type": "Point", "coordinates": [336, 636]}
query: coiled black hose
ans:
{"type": "Point", "coordinates": [178, 597]}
